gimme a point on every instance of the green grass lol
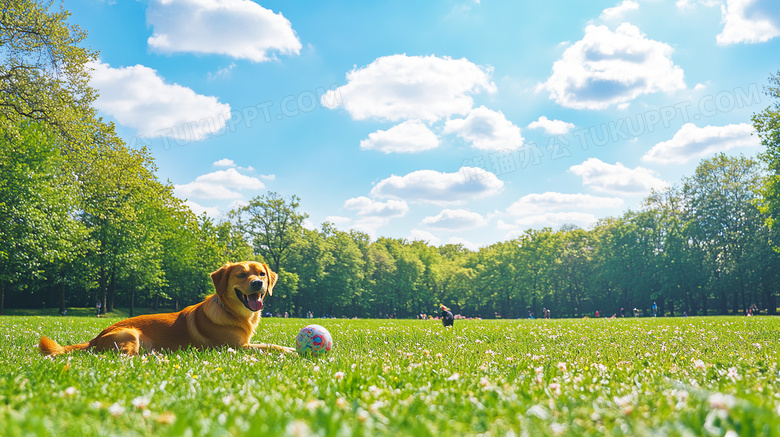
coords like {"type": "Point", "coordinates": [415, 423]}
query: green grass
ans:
{"type": "Point", "coordinates": [682, 376]}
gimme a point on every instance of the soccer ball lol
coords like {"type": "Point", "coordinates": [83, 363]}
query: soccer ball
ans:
{"type": "Point", "coordinates": [313, 340]}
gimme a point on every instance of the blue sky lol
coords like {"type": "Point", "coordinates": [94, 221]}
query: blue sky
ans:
{"type": "Point", "coordinates": [447, 121]}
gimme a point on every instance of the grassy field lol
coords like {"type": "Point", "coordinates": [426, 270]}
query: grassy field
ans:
{"type": "Point", "coordinates": [683, 376]}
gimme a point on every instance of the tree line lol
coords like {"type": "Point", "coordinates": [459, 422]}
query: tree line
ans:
{"type": "Point", "coordinates": [85, 219]}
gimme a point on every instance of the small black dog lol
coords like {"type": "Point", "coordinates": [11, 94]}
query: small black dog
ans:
{"type": "Point", "coordinates": [446, 316]}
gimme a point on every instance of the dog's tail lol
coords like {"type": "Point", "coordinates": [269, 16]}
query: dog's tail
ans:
{"type": "Point", "coordinates": [48, 346]}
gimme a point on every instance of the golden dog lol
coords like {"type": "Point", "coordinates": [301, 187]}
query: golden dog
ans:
{"type": "Point", "coordinates": [227, 318]}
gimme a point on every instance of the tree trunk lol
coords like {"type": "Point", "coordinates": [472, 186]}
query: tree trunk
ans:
{"type": "Point", "coordinates": [2, 298]}
{"type": "Point", "coordinates": [62, 297]}
{"type": "Point", "coordinates": [103, 282]}
{"type": "Point", "coordinates": [132, 295]}
{"type": "Point", "coordinates": [769, 298]}
{"type": "Point", "coordinates": [704, 308]}
{"type": "Point", "coordinates": [742, 293]}
{"type": "Point", "coordinates": [112, 290]}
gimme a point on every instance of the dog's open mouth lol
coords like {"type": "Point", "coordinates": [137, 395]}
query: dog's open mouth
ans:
{"type": "Point", "coordinates": [252, 302]}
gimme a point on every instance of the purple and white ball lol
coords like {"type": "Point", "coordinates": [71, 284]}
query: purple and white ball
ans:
{"type": "Point", "coordinates": [313, 340]}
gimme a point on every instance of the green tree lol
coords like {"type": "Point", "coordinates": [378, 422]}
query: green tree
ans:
{"type": "Point", "coordinates": [767, 125]}
{"type": "Point", "coordinates": [271, 224]}
{"type": "Point", "coordinates": [724, 195]}
{"type": "Point", "coordinates": [37, 202]}
{"type": "Point", "coordinates": [43, 72]}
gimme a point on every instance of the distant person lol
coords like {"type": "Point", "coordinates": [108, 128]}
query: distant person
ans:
{"type": "Point", "coordinates": [622, 312]}
{"type": "Point", "coordinates": [597, 314]}
{"type": "Point", "coordinates": [447, 319]}
{"type": "Point", "coordinates": [97, 309]}
{"type": "Point", "coordinates": [655, 309]}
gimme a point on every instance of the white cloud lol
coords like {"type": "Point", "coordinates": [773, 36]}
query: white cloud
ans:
{"type": "Point", "coordinates": [367, 207]}
{"type": "Point", "coordinates": [373, 214]}
{"type": "Point", "coordinates": [535, 203]}
{"type": "Point", "coordinates": [455, 220]}
{"type": "Point", "coordinates": [617, 178]}
{"type": "Point", "coordinates": [749, 21]}
{"type": "Point", "coordinates": [420, 235]}
{"type": "Point", "coordinates": [137, 97]}
{"type": "Point", "coordinates": [486, 129]}
{"type": "Point", "coordinates": [617, 12]}
{"type": "Point", "coordinates": [692, 142]}
{"type": "Point", "coordinates": [438, 188]}
{"type": "Point", "coordinates": [691, 4]}
{"type": "Point", "coordinates": [339, 221]}
{"type": "Point", "coordinates": [198, 209]}
{"type": "Point", "coordinates": [222, 73]}
{"type": "Point", "coordinates": [408, 137]}
{"type": "Point", "coordinates": [241, 29]}
{"type": "Point", "coordinates": [608, 68]}
{"type": "Point", "coordinates": [402, 87]}
{"type": "Point", "coordinates": [224, 163]}
{"type": "Point", "coordinates": [463, 242]}
{"type": "Point", "coordinates": [556, 220]}
{"type": "Point", "coordinates": [220, 184]}
{"type": "Point", "coordinates": [551, 127]}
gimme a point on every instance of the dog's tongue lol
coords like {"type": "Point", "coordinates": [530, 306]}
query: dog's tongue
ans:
{"type": "Point", "coordinates": [254, 302]}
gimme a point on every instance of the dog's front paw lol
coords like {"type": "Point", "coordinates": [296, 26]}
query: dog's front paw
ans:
{"type": "Point", "coordinates": [288, 350]}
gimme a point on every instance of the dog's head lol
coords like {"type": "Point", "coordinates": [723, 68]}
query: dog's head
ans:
{"type": "Point", "coordinates": [244, 284]}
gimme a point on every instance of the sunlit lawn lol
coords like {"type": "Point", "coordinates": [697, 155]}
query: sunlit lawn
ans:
{"type": "Point", "coordinates": [680, 376]}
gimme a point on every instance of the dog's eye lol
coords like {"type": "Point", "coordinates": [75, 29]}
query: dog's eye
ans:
{"type": "Point", "coordinates": [262, 274]}
{"type": "Point", "coordinates": [241, 275]}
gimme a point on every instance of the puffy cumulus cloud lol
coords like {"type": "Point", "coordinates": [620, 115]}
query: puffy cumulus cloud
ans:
{"type": "Point", "coordinates": [617, 178]}
{"type": "Point", "coordinates": [224, 163]}
{"type": "Point", "coordinates": [137, 97]}
{"type": "Point", "coordinates": [691, 4]}
{"type": "Point", "coordinates": [221, 184]}
{"type": "Point", "coordinates": [438, 188]}
{"type": "Point", "coordinates": [371, 214]}
{"type": "Point", "coordinates": [455, 220]}
{"type": "Point", "coordinates": [535, 203]}
{"type": "Point", "coordinates": [408, 137]}
{"type": "Point", "coordinates": [619, 11]}
{"type": "Point", "coordinates": [368, 207]}
{"type": "Point", "coordinates": [241, 29]}
{"type": "Point", "coordinates": [420, 235]}
{"type": "Point", "coordinates": [608, 68]}
{"type": "Point", "coordinates": [749, 21]}
{"type": "Point", "coordinates": [486, 129]}
{"type": "Point", "coordinates": [211, 211]}
{"type": "Point", "coordinates": [692, 142]}
{"type": "Point", "coordinates": [401, 87]}
{"type": "Point", "coordinates": [555, 220]}
{"type": "Point", "coordinates": [551, 127]}
{"type": "Point", "coordinates": [463, 242]}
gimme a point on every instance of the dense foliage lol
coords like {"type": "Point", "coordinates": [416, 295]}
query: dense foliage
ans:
{"type": "Point", "coordinates": [84, 219]}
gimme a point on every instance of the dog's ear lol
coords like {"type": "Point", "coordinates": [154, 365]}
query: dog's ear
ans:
{"type": "Point", "coordinates": [220, 279]}
{"type": "Point", "coordinates": [272, 278]}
